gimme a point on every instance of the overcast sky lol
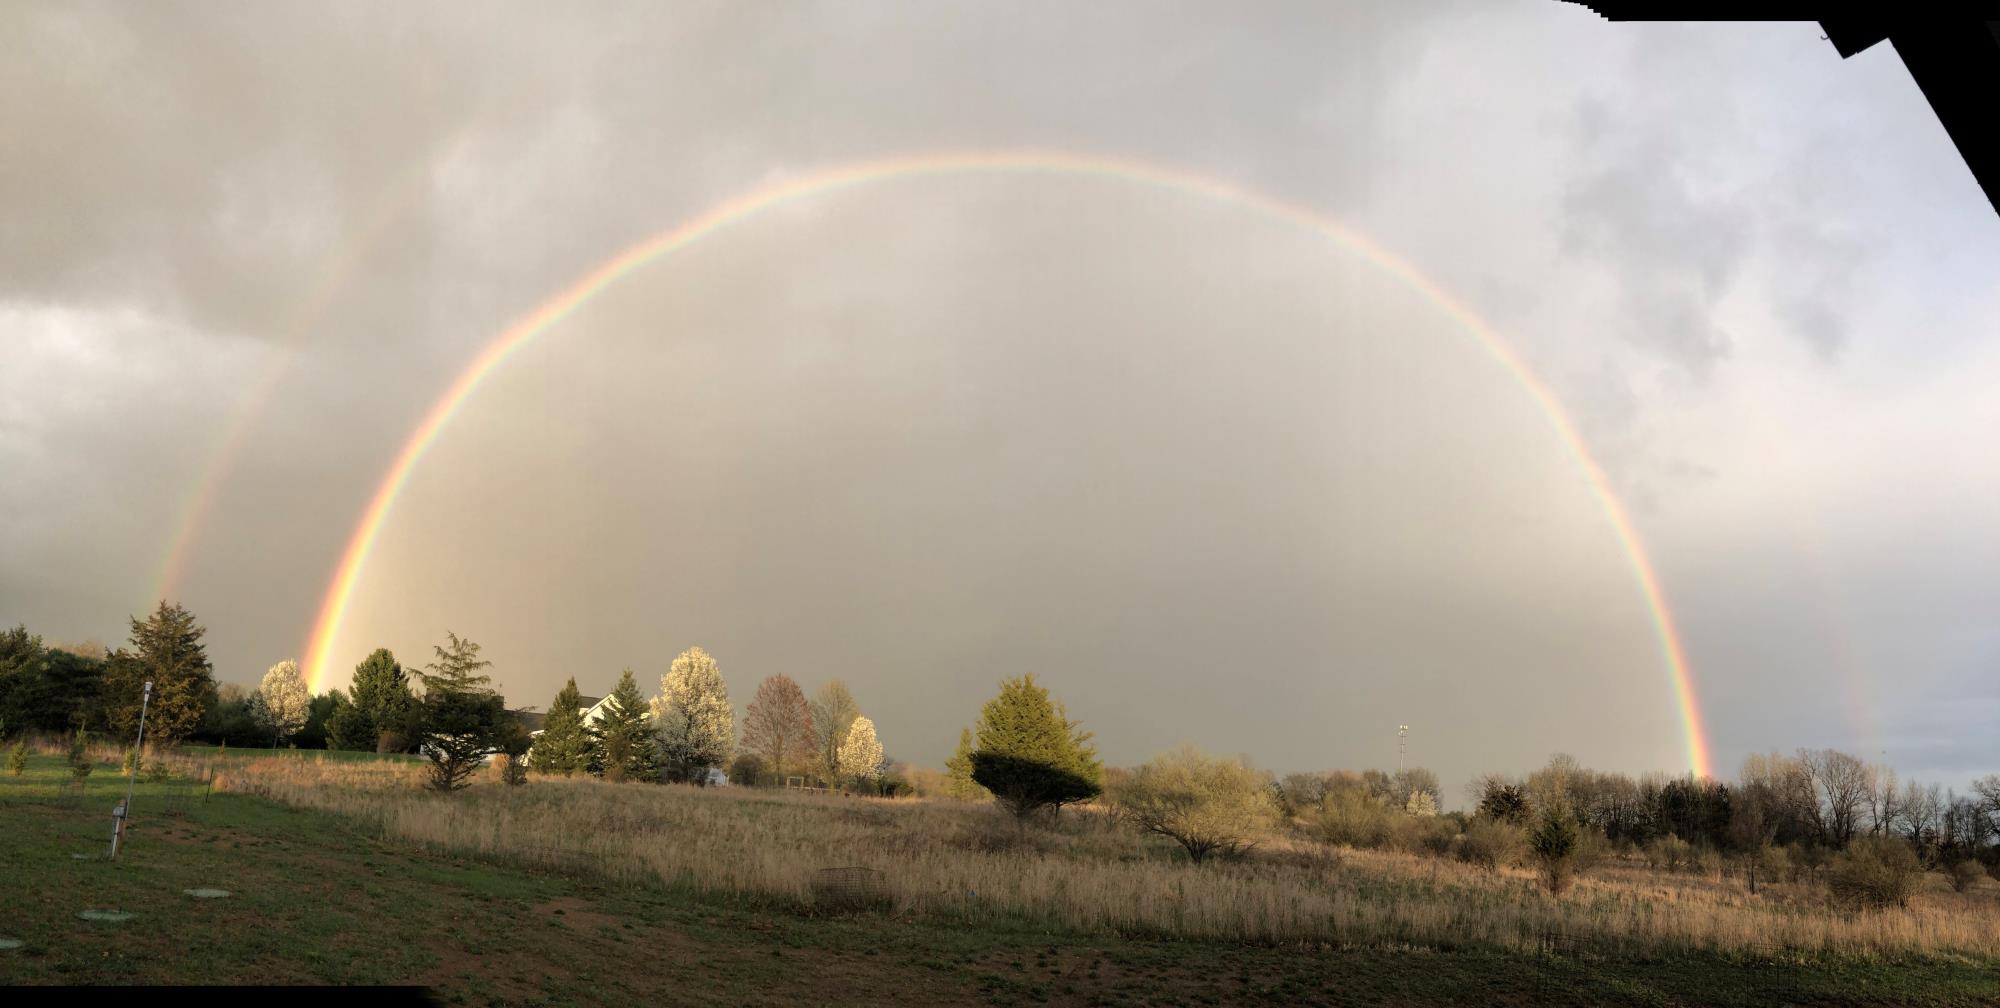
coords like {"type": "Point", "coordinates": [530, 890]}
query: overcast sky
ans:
{"type": "Point", "coordinates": [1208, 475]}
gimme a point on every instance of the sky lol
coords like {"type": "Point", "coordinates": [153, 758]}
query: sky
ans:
{"type": "Point", "coordinates": [1209, 474]}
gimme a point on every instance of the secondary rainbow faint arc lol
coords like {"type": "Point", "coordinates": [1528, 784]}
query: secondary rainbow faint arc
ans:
{"type": "Point", "coordinates": [333, 608]}
{"type": "Point", "coordinates": [342, 266]}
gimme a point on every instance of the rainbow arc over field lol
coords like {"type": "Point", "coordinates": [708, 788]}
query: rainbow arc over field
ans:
{"type": "Point", "coordinates": [333, 608]}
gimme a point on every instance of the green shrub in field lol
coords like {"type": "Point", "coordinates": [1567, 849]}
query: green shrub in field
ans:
{"type": "Point", "coordinates": [17, 758]}
{"type": "Point", "coordinates": [79, 762]}
{"type": "Point", "coordinates": [1554, 845]}
{"type": "Point", "coordinates": [1874, 872]}
{"type": "Point", "coordinates": [131, 760]}
{"type": "Point", "coordinates": [157, 772]}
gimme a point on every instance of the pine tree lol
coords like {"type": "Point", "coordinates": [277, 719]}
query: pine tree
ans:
{"type": "Point", "coordinates": [17, 758]}
{"type": "Point", "coordinates": [778, 727]}
{"type": "Point", "coordinates": [382, 715]}
{"type": "Point", "coordinates": [696, 724]}
{"type": "Point", "coordinates": [1031, 755]}
{"type": "Point", "coordinates": [958, 772]}
{"type": "Point", "coordinates": [564, 746]}
{"type": "Point", "coordinates": [462, 717]}
{"type": "Point", "coordinates": [166, 650]}
{"type": "Point", "coordinates": [861, 754]}
{"type": "Point", "coordinates": [622, 740]}
{"type": "Point", "coordinates": [1553, 842]}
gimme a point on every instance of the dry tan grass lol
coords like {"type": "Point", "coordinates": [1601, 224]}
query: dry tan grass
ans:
{"type": "Point", "coordinates": [961, 861]}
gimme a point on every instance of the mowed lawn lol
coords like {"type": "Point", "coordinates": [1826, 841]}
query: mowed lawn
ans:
{"type": "Point", "coordinates": [317, 900]}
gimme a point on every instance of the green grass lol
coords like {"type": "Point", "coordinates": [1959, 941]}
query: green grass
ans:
{"type": "Point", "coordinates": [320, 900]}
{"type": "Point", "coordinates": [198, 750]}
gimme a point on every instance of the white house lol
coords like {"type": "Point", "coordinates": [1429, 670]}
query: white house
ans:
{"type": "Point", "coordinates": [592, 709]}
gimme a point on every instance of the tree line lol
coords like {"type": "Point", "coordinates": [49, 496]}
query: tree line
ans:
{"type": "Point", "coordinates": [1816, 812]}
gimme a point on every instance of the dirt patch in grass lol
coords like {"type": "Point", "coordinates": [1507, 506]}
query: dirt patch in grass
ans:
{"type": "Point", "coordinates": [575, 914]}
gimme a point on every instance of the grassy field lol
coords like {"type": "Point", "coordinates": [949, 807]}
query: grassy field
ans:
{"type": "Point", "coordinates": [339, 874]}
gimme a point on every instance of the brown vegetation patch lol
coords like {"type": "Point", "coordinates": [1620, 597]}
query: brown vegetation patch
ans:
{"type": "Point", "coordinates": [575, 914]}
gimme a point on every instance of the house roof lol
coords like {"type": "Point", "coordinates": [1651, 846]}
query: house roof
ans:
{"type": "Point", "coordinates": [531, 720]}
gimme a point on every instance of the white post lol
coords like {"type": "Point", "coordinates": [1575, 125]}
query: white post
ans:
{"type": "Point", "coordinates": [138, 758]}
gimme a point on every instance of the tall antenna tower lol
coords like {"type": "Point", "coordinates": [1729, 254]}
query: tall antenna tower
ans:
{"type": "Point", "coordinates": [1402, 746]}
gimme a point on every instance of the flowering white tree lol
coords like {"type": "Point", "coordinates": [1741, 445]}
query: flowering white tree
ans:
{"type": "Point", "coordinates": [285, 700]}
{"type": "Point", "coordinates": [696, 726]}
{"type": "Point", "coordinates": [861, 754]}
{"type": "Point", "coordinates": [1421, 804]}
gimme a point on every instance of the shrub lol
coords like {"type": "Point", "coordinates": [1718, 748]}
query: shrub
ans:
{"type": "Point", "coordinates": [79, 762]}
{"type": "Point", "coordinates": [1554, 845]}
{"type": "Point", "coordinates": [1669, 853]}
{"type": "Point", "coordinates": [17, 758]}
{"type": "Point", "coordinates": [1488, 843]}
{"type": "Point", "coordinates": [1205, 804]}
{"type": "Point", "coordinates": [157, 772]}
{"type": "Point", "coordinates": [1352, 818]}
{"type": "Point", "coordinates": [1430, 835]}
{"type": "Point", "coordinates": [1963, 874]}
{"type": "Point", "coordinates": [1874, 872]}
{"type": "Point", "coordinates": [1707, 861]}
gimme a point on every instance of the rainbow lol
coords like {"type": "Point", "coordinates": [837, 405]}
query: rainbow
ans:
{"type": "Point", "coordinates": [333, 608]}
{"type": "Point", "coordinates": [390, 205]}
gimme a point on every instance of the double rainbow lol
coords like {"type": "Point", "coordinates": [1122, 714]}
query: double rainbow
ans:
{"type": "Point", "coordinates": [333, 608]}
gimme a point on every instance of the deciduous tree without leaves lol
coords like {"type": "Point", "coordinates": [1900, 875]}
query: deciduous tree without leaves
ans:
{"type": "Point", "coordinates": [778, 727]}
{"type": "Point", "coordinates": [833, 710]}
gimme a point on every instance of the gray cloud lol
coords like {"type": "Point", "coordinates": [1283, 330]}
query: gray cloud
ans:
{"type": "Point", "coordinates": [1211, 477]}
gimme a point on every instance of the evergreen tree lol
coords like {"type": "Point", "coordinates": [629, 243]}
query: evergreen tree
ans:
{"type": "Point", "coordinates": [1030, 755]}
{"type": "Point", "coordinates": [320, 711]}
{"type": "Point", "coordinates": [958, 772]}
{"type": "Point", "coordinates": [382, 714]}
{"type": "Point", "coordinates": [564, 746]}
{"type": "Point", "coordinates": [1553, 842]}
{"type": "Point", "coordinates": [696, 724]}
{"type": "Point", "coordinates": [513, 742]}
{"type": "Point", "coordinates": [24, 689]}
{"type": "Point", "coordinates": [622, 739]}
{"type": "Point", "coordinates": [166, 650]}
{"type": "Point", "coordinates": [462, 717]}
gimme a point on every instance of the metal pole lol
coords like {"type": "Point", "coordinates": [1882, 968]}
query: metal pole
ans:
{"type": "Point", "coordinates": [1402, 735]}
{"type": "Point", "coordinates": [138, 757]}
